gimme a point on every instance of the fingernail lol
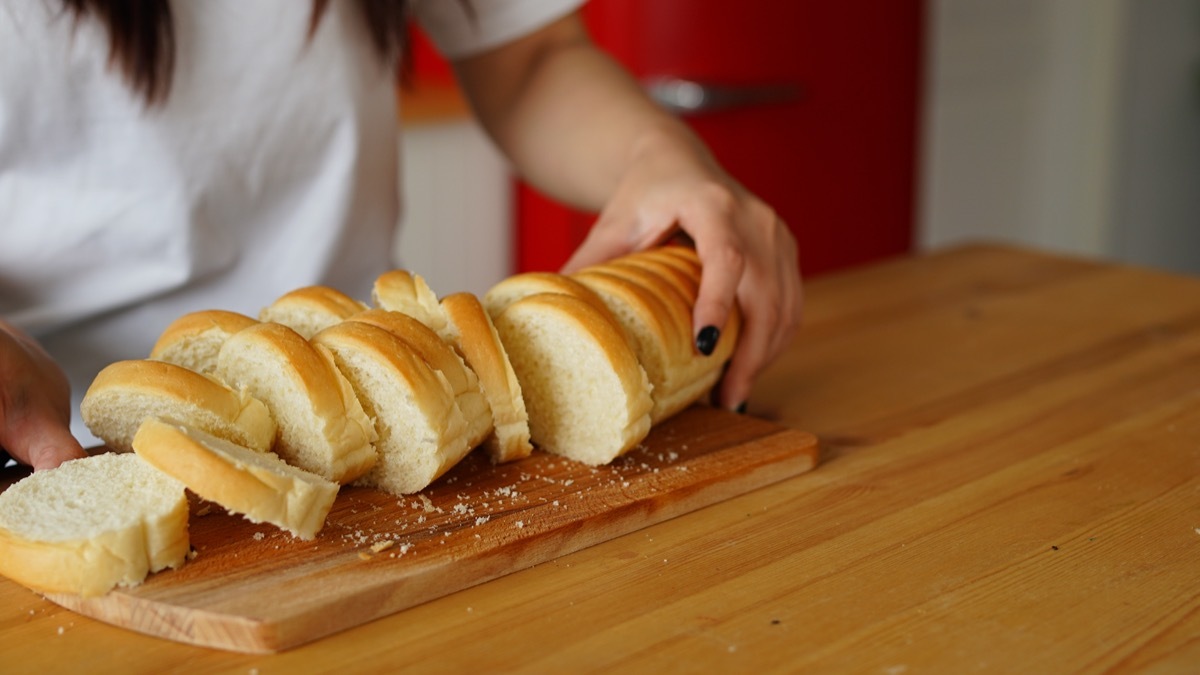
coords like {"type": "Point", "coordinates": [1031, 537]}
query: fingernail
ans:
{"type": "Point", "coordinates": [741, 409]}
{"type": "Point", "coordinates": [706, 339]}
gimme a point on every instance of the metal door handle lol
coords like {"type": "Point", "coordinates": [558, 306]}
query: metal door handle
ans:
{"type": "Point", "coordinates": [688, 97]}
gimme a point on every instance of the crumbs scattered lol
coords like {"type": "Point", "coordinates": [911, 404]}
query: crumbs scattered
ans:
{"type": "Point", "coordinates": [520, 524]}
{"type": "Point", "coordinates": [381, 546]}
{"type": "Point", "coordinates": [259, 536]}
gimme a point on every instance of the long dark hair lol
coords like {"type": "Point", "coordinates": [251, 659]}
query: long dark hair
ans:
{"type": "Point", "coordinates": [141, 36]}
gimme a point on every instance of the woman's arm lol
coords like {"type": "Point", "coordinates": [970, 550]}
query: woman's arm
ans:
{"type": "Point", "coordinates": [578, 127]}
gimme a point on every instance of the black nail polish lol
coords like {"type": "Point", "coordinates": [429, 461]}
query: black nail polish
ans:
{"type": "Point", "coordinates": [706, 339]}
{"type": "Point", "coordinates": [741, 409]}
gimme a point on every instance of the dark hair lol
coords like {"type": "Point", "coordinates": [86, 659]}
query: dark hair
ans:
{"type": "Point", "coordinates": [141, 36]}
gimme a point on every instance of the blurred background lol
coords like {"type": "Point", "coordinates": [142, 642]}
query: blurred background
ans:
{"type": "Point", "coordinates": [875, 129]}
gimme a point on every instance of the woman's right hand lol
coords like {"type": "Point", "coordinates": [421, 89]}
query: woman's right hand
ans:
{"type": "Point", "coordinates": [35, 403]}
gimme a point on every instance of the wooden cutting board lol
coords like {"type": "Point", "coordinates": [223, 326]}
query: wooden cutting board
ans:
{"type": "Point", "coordinates": [253, 588]}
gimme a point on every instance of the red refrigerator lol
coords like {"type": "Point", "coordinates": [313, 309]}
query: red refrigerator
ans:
{"type": "Point", "coordinates": [812, 104]}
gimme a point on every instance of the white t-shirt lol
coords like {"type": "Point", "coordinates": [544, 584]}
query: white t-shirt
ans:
{"type": "Point", "coordinates": [272, 165]}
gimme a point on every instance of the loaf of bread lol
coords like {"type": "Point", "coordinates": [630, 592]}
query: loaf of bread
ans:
{"type": "Point", "coordinates": [126, 392]}
{"type": "Point", "coordinates": [258, 485]}
{"type": "Point", "coordinates": [434, 351]}
{"type": "Point", "coordinates": [587, 396]}
{"type": "Point", "coordinates": [193, 340]}
{"type": "Point", "coordinates": [322, 426]}
{"type": "Point", "coordinates": [92, 524]}
{"type": "Point", "coordinates": [308, 310]}
{"type": "Point", "coordinates": [421, 429]}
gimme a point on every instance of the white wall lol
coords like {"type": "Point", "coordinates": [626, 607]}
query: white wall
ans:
{"type": "Point", "coordinates": [1157, 194]}
{"type": "Point", "coordinates": [1064, 124]}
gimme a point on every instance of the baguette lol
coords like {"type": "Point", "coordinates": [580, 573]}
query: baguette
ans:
{"type": "Point", "coordinates": [588, 398]}
{"type": "Point", "coordinates": [193, 340]}
{"type": "Point", "coordinates": [92, 524]}
{"type": "Point", "coordinates": [421, 429]}
{"type": "Point", "coordinates": [322, 426]}
{"type": "Point", "coordinates": [126, 392]}
{"type": "Point", "coordinates": [259, 486]}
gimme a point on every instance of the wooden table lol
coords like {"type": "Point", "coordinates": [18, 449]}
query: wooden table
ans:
{"type": "Point", "coordinates": [1010, 482]}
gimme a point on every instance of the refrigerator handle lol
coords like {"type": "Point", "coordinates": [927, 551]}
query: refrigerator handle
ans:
{"type": "Point", "coordinates": [689, 97]}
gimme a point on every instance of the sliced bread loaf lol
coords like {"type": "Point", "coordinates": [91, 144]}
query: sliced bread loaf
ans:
{"type": "Point", "coordinates": [587, 396]}
{"type": "Point", "coordinates": [92, 524]}
{"type": "Point", "coordinates": [258, 485]}
{"type": "Point", "coordinates": [126, 392]}
{"type": "Point", "coordinates": [322, 426]}
{"type": "Point", "coordinates": [193, 340]}
{"type": "Point", "coordinates": [421, 429]}
{"type": "Point", "coordinates": [309, 309]}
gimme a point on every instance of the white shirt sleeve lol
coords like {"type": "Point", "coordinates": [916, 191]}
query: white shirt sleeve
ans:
{"type": "Point", "coordinates": [461, 28]}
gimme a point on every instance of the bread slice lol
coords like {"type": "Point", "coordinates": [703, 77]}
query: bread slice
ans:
{"type": "Point", "coordinates": [258, 485]}
{"type": "Point", "coordinates": [587, 396]}
{"type": "Point", "coordinates": [442, 358]}
{"type": "Point", "coordinates": [322, 426]}
{"type": "Point", "coordinates": [402, 291]}
{"type": "Point", "coordinates": [471, 331]}
{"type": "Point", "coordinates": [654, 332]}
{"type": "Point", "coordinates": [309, 309]}
{"type": "Point", "coordinates": [92, 524]}
{"type": "Point", "coordinates": [422, 431]}
{"type": "Point", "coordinates": [126, 392]}
{"type": "Point", "coordinates": [193, 340]}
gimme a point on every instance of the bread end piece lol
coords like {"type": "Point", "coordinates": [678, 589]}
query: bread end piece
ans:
{"type": "Point", "coordinates": [259, 486]}
{"type": "Point", "coordinates": [92, 524]}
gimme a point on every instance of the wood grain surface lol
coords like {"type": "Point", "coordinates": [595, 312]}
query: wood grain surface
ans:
{"type": "Point", "coordinates": [254, 588]}
{"type": "Point", "coordinates": [1009, 483]}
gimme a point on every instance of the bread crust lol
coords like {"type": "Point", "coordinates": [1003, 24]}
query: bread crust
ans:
{"type": "Point", "coordinates": [259, 486]}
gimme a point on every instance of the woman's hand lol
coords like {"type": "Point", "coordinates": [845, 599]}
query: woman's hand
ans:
{"type": "Point", "coordinates": [581, 129]}
{"type": "Point", "coordinates": [35, 403]}
{"type": "Point", "coordinates": [748, 254]}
